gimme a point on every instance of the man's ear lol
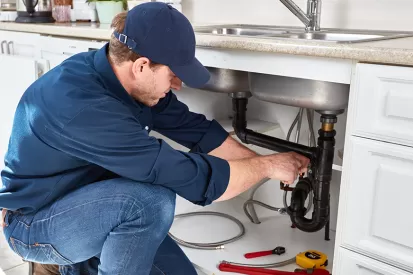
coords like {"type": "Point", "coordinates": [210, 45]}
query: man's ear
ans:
{"type": "Point", "coordinates": [141, 64]}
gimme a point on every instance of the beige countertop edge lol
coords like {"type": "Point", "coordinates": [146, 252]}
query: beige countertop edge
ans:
{"type": "Point", "coordinates": [395, 51]}
{"type": "Point", "coordinates": [87, 32]}
{"type": "Point", "coordinates": [372, 52]}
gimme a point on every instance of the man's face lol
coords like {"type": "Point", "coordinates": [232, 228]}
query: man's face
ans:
{"type": "Point", "coordinates": [153, 83]}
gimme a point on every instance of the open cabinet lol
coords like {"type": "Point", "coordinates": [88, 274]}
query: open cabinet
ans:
{"type": "Point", "coordinates": [273, 230]}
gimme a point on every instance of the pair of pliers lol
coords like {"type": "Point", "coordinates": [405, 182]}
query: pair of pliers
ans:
{"type": "Point", "coordinates": [226, 267]}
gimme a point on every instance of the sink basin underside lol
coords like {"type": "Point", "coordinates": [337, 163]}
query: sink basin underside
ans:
{"type": "Point", "coordinates": [311, 94]}
{"type": "Point", "coordinates": [332, 36]}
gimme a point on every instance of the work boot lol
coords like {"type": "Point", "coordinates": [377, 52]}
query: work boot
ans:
{"type": "Point", "coordinates": [44, 269]}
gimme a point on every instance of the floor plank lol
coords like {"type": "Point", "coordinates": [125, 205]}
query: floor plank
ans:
{"type": "Point", "coordinates": [19, 270]}
{"type": "Point", "coordinates": [8, 258]}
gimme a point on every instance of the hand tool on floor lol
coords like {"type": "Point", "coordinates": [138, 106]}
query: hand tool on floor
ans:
{"type": "Point", "coordinates": [226, 267]}
{"type": "Point", "coordinates": [306, 259]}
{"type": "Point", "coordinates": [277, 251]}
{"type": "Point", "coordinates": [311, 259]}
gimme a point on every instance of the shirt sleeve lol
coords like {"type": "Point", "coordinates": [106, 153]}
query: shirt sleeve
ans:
{"type": "Point", "coordinates": [108, 135]}
{"type": "Point", "coordinates": [173, 119]}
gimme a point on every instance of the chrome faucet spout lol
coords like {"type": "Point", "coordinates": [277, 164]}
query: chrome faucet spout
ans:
{"type": "Point", "coordinates": [311, 19]}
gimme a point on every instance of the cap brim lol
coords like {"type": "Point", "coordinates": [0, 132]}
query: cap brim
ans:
{"type": "Point", "coordinates": [194, 75]}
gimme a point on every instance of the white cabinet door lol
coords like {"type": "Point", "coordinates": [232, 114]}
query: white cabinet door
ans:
{"type": "Point", "coordinates": [54, 59]}
{"type": "Point", "coordinates": [21, 43]}
{"type": "Point", "coordinates": [382, 99]}
{"type": "Point", "coordinates": [351, 263]}
{"type": "Point", "coordinates": [56, 50]}
{"type": "Point", "coordinates": [376, 194]}
{"type": "Point", "coordinates": [16, 75]}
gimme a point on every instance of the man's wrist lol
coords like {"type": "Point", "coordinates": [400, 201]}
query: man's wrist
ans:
{"type": "Point", "coordinates": [265, 165]}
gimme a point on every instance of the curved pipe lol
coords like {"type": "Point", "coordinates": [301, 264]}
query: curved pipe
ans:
{"type": "Point", "coordinates": [321, 156]}
{"type": "Point", "coordinates": [297, 209]}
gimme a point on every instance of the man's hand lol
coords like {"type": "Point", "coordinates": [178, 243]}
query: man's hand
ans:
{"type": "Point", "coordinates": [245, 173]}
{"type": "Point", "coordinates": [286, 166]}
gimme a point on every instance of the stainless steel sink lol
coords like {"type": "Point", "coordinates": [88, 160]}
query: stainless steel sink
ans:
{"type": "Point", "coordinates": [333, 37]}
{"type": "Point", "coordinates": [227, 81]}
{"type": "Point", "coordinates": [322, 96]}
{"type": "Point", "coordinates": [242, 31]}
{"type": "Point", "coordinates": [325, 35]}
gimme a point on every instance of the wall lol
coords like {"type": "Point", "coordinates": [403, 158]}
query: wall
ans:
{"type": "Point", "coordinates": [354, 14]}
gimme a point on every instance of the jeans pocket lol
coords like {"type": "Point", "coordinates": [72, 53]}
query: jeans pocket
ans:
{"type": "Point", "coordinates": [40, 253]}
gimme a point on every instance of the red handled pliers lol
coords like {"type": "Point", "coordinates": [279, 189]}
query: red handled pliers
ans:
{"type": "Point", "coordinates": [226, 267]}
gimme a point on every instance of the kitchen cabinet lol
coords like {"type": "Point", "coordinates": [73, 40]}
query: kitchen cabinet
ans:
{"type": "Point", "coordinates": [380, 184]}
{"type": "Point", "coordinates": [353, 263]}
{"type": "Point", "coordinates": [17, 73]}
{"type": "Point", "coordinates": [20, 43]}
{"type": "Point", "coordinates": [56, 50]}
{"type": "Point", "coordinates": [383, 103]}
{"type": "Point", "coordinates": [376, 185]}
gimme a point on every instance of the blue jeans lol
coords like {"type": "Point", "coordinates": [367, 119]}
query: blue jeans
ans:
{"type": "Point", "coordinates": [114, 226]}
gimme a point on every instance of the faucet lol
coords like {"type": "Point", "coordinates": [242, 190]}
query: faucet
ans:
{"type": "Point", "coordinates": [311, 20]}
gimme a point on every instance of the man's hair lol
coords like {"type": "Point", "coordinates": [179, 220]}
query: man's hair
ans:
{"type": "Point", "coordinates": [119, 52]}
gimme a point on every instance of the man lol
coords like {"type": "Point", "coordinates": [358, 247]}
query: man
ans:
{"type": "Point", "coordinates": [85, 187]}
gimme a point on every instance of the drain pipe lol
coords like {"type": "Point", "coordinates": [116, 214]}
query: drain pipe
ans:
{"type": "Point", "coordinates": [321, 182]}
{"type": "Point", "coordinates": [321, 161]}
{"type": "Point", "coordinates": [250, 137]}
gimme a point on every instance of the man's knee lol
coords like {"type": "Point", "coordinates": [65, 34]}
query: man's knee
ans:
{"type": "Point", "coordinates": [163, 209]}
{"type": "Point", "coordinates": [152, 205]}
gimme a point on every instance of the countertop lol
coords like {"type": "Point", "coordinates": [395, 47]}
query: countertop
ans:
{"type": "Point", "coordinates": [394, 51]}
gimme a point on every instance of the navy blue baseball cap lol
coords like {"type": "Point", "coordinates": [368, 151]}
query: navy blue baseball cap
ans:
{"type": "Point", "coordinates": [164, 35]}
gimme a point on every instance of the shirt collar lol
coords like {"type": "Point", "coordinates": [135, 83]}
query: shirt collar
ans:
{"type": "Point", "coordinates": [110, 80]}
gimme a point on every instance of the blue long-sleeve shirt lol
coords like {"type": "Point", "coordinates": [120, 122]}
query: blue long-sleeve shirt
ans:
{"type": "Point", "coordinates": [77, 123]}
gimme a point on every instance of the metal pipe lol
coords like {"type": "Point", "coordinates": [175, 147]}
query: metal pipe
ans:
{"type": "Point", "coordinates": [311, 135]}
{"type": "Point", "coordinates": [315, 14]}
{"type": "Point", "coordinates": [297, 11]}
{"type": "Point", "coordinates": [312, 18]}
{"type": "Point", "coordinates": [300, 120]}
{"type": "Point", "coordinates": [253, 213]}
{"type": "Point", "coordinates": [292, 126]}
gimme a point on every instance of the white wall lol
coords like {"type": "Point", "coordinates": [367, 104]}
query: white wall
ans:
{"type": "Point", "coordinates": [354, 14]}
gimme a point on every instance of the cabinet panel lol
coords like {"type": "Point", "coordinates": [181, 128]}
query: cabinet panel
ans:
{"type": "Point", "coordinates": [350, 263]}
{"type": "Point", "coordinates": [20, 43]}
{"type": "Point", "coordinates": [16, 75]}
{"type": "Point", "coordinates": [56, 50]}
{"type": "Point", "coordinates": [378, 184]}
{"type": "Point", "coordinates": [384, 100]}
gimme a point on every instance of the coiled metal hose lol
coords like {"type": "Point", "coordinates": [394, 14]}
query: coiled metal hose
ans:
{"type": "Point", "coordinates": [278, 264]}
{"type": "Point", "coordinates": [210, 246]}
{"type": "Point", "coordinates": [220, 245]}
